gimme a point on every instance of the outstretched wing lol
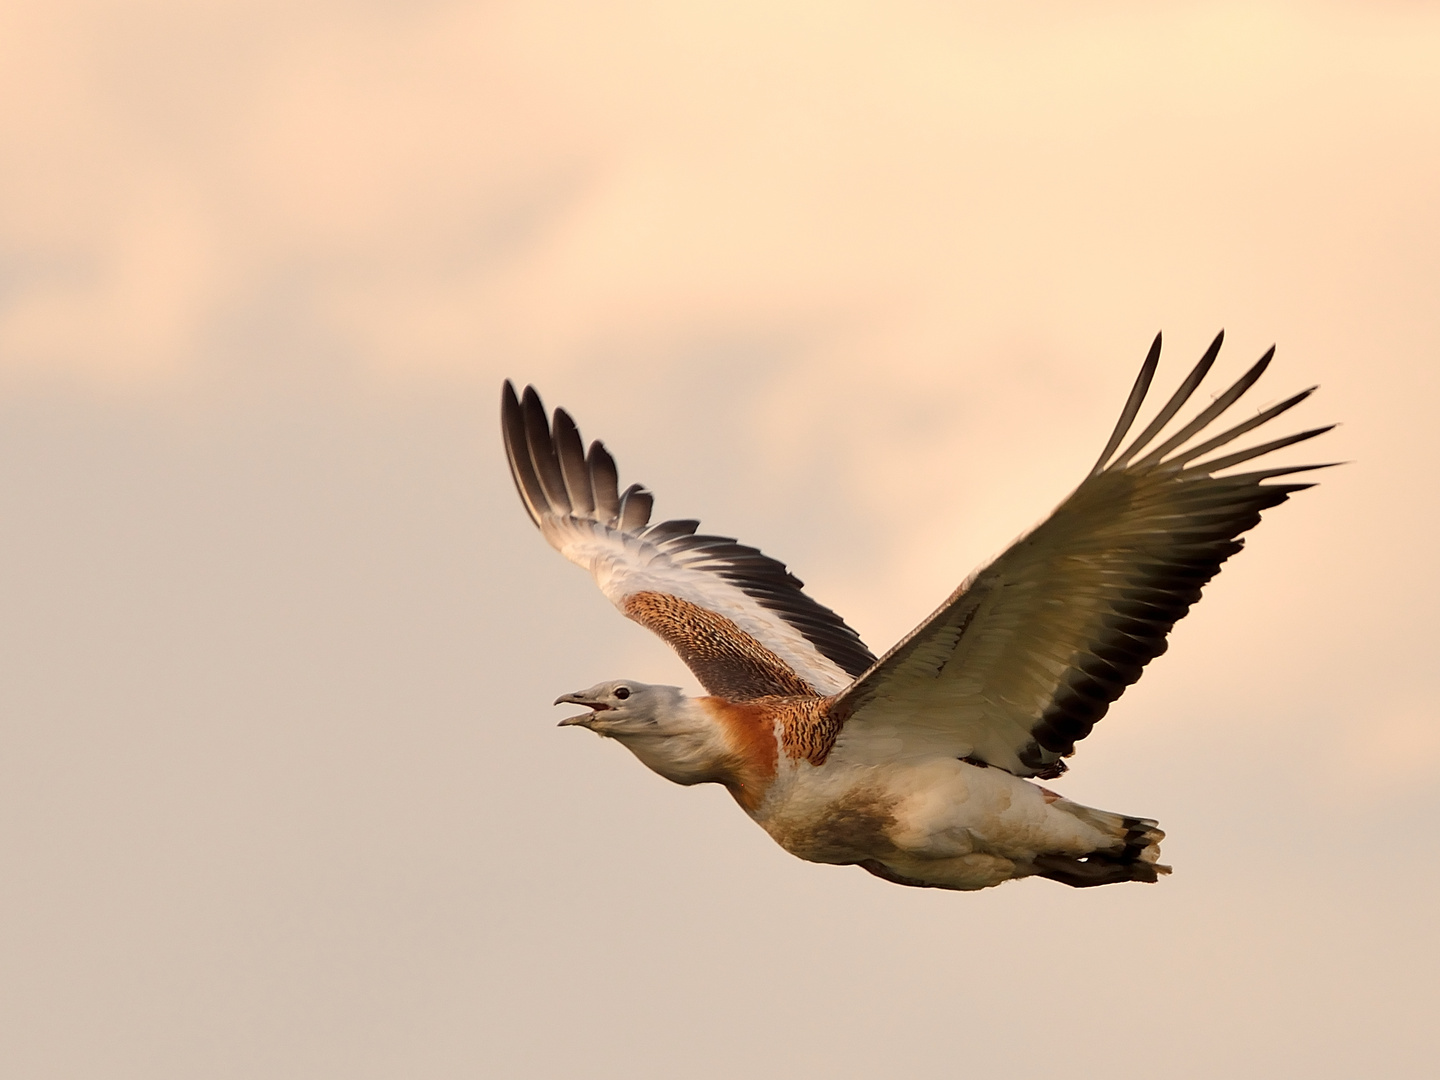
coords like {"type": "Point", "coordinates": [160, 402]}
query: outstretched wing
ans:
{"type": "Point", "coordinates": [739, 619]}
{"type": "Point", "coordinates": [1030, 651]}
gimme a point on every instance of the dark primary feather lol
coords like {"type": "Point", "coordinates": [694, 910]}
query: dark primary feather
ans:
{"type": "Point", "coordinates": [1132, 404]}
{"type": "Point", "coordinates": [1092, 592]}
{"type": "Point", "coordinates": [605, 482]}
{"type": "Point", "coordinates": [573, 467]}
{"type": "Point", "coordinates": [543, 457]}
{"type": "Point", "coordinates": [555, 480]}
{"type": "Point", "coordinates": [1177, 399]}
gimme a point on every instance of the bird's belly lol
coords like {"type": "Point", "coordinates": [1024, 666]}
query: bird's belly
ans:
{"type": "Point", "coordinates": [834, 827]}
{"type": "Point", "coordinates": [932, 810]}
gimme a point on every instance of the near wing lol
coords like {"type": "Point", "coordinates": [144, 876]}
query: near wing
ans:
{"type": "Point", "coordinates": [1028, 654]}
{"type": "Point", "coordinates": [738, 618]}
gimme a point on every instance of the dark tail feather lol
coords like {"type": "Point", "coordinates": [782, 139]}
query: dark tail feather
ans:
{"type": "Point", "coordinates": [1131, 859]}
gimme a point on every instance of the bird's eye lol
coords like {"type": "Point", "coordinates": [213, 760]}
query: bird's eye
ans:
{"type": "Point", "coordinates": [622, 692]}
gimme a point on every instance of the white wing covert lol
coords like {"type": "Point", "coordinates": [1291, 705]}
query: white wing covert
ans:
{"type": "Point", "coordinates": [1022, 660]}
{"type": "Point", "coordinates": [738, 618]}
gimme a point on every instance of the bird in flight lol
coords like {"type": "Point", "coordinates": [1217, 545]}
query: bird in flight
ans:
{"type": "Point", "coordinates": [918, 766]}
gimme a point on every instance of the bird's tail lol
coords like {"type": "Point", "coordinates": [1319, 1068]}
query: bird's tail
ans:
{"type": "Point", "coordinates": [1132, 855]}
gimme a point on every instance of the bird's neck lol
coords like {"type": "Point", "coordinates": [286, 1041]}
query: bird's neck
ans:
{"type": "Point", "coordinates": [713, 741]}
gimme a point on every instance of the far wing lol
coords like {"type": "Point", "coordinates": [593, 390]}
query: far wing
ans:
{"type": "Point", "coordinates": [738, 618]}
{"type": "Point", "coordinates": [1028, 654]}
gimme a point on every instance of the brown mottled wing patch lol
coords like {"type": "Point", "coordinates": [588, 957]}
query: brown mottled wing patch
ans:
{"type": "Point", "coordinates": [727, 661]}
{"type": "Point", "coordinates": [1019, 664]}
{"type": "Point", "coordinates": [808, 729]}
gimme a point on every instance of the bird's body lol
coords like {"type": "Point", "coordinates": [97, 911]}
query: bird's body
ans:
{"type": "Point", "coordinates": [934, 821]}
{"type": "Point", "coordinates": [918, 766]}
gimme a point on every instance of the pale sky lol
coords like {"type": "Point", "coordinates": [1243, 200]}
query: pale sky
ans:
{"type": "Point", "coordinates": [863, 284]}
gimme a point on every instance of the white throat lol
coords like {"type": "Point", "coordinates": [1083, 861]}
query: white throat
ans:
{"type": "Point", "coordinates": [684, 744]}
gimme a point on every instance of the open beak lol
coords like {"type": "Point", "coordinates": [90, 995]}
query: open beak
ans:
{"type": "Point", "coordinates": [583, 720]}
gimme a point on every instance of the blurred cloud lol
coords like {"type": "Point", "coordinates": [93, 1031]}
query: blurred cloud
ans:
{"type": "Point", "coordinates": [453, 184]}
{"type": "Point", "coordinates": [862, 284]}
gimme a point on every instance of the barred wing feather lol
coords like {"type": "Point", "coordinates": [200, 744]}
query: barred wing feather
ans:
{"type": "Point", "coordinates": [738, 618]}
{"type": "Point", "coordinates": [1022, 660]}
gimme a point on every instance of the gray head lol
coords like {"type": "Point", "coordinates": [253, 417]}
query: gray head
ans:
{"type": "Point", "coordinates": [624, 707]}
{"type": "Point", "coordinates": [658, 724]}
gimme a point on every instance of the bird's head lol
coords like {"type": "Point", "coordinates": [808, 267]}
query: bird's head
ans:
{"type": "Point", "coordinates": [623, 707]}
{"type": "Point", "coordinates": [658, 724]}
